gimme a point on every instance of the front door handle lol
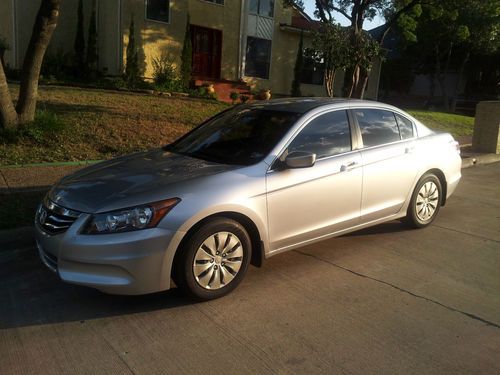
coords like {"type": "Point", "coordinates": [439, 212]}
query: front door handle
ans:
{"type": "Point", "coordinates": [348, 166]}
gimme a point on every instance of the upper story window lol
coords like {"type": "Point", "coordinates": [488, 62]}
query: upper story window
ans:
{"type": "Point", "coordinates": [220, 2]}
{"type": "Point", "coordinates": [262, 7]}
{"type": "Point", "coordinates": [258, 57]}
{"type": "Point", "coordinates": [313, 67]}
{"type": "Point", "coordinates": [326, 135]}
{"type": "Point", "coordinates": [158, 10]}
{"type": "Point", "coordinates": [377, 126]}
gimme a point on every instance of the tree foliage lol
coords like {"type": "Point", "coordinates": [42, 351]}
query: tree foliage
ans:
{"type": "Point", "coordinates": [446, 35]}
{"type": "Point", "coordinates": [364, 48]}
{"type": "Point", "coordinates": [297, 70]}
{"type": "Point", "coordinates": [332, 43]}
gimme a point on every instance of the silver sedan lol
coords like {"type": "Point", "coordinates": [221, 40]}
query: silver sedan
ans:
{"type": "Point", "coordinates": [252, 182]}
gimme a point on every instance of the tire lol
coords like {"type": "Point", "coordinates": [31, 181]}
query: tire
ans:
{"type": "Point", "coordinates": [214, 260]}
{"type": "Point", "coordinates": [425, 202]}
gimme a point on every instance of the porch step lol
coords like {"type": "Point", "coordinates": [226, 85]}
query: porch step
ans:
{"type": "Point", "coordinates": [224, 88]}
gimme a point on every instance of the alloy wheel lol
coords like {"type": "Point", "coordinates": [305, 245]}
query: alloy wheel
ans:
{"type": "Point", "coordinates": [218, 260]}
{"type": "Point", "coordinates": [427, 201]}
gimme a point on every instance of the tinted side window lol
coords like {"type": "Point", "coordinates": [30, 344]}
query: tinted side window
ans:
{"type": "Point", "coordinates": [377, 126]}
{"type": "Point", "coordinates": [405, 127]}
{"type": "Point", "coordinates": [326, 135]}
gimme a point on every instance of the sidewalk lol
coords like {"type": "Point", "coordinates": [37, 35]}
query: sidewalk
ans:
{"type": "Point", "coordinates": [32, 178]}
{"type": "Point", "coordinates": [41, 177]}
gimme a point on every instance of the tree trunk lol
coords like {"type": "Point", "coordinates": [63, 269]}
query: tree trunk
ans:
{"type": "Point", "coordinates": [459, 81]}
{"type": "Point", "coordinates": [442, 77]}
{"type": "Point", "coordinates": [45, 24]}
{"type": "Point", "coordinates": [359, 89]}
{"type": "Point", "coordinates": [8, 115]}
{"type": "Point", "coordinates": [329, 81]}
{"type": "Point", "coordinates": [353, 81]}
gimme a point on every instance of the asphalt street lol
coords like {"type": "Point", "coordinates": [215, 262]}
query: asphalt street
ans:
{"type": "Point", "coordinates": [384, 300]}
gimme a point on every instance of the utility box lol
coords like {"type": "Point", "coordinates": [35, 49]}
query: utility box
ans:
{"type": "Point", "coordinates": [486, 136]}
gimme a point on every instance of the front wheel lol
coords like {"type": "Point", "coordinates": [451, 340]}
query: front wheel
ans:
{"type": "Point", "coordinates": [425, 202]}
{"type": "Point", "coordinates": [214, 260]}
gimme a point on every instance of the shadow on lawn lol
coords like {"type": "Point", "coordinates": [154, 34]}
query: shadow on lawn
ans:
{"type": "Point", "coordinates": [61, 108]}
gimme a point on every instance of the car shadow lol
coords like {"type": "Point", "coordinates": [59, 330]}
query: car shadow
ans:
{"type": "Point", "coordinates": [32, 295]}
{"type": "Point", "coordinates": [389, 227]}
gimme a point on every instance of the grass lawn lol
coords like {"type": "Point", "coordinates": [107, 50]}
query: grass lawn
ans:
{"type": "Point", "coordinates": [101, 124]}
{"type": "Point", "coordinates": [457, 125]}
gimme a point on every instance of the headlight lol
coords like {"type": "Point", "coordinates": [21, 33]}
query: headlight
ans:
{"type": "Point", "coordinates": [129, 219]}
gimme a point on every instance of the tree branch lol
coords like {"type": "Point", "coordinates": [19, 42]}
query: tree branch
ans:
{"type": "Point", "coordinates": [395, 17]}
{"type": "Point", "coordinates": [343, 12]}
{"type": "Point", "coordinates": [320, 7]}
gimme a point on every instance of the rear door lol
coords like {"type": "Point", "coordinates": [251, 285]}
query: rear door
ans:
{"type": "Point", "coordinates": [389, 165]}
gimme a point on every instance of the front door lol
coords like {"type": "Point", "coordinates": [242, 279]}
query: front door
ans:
{"type": "Point", "coordinates": [206, 52]}
{"type": "Point", "coordinates": [309, 203]}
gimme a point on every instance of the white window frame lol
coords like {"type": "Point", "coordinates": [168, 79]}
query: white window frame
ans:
{"type": "Point", "coordinates": [214, 3]}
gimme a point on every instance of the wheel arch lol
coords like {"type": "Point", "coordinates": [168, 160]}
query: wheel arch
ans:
{"type": "Point", "coordinates": [442, 179]}
{"type": "Point", "coordinates": [258, 253]}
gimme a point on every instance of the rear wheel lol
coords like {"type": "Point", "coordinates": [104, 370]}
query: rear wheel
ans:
{"type": "Point", "coordinates": [425, 202]}
{"type": "Point", "coordinates": [214, 260]}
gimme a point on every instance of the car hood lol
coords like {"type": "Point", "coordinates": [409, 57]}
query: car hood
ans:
{"type": "Point", "coordinates": [130, 180]}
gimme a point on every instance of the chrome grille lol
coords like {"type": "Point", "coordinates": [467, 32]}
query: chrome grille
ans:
{"type": "Point", "coordinates": [55, 219]}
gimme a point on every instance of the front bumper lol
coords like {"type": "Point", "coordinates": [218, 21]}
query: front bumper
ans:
{"type": "Point", "coordinates": [137, 262]}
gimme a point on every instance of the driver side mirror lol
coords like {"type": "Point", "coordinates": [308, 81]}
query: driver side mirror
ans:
{"type": "Point", "coordinates": [300, 159]}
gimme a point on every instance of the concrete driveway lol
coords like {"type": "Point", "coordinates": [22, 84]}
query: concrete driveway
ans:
{"type": "Point", "coordinates": [384, 300]}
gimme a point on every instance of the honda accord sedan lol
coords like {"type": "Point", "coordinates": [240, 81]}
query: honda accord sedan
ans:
{"type": "Point", "coordinates": [254, 181]}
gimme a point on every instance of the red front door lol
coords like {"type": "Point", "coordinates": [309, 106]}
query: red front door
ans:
{"type": "Point", "coordinates": [207, 45]}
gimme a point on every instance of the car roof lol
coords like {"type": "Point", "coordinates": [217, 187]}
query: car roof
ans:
{"type": "Point", "coordinates": [302, 105]}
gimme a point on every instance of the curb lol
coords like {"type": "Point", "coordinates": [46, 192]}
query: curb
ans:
{"type": "Point", "coordinates": [53, 164]}
{"type": "Point", "coordinates": [473, 160]}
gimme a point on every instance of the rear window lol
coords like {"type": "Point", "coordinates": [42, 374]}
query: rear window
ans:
{"type": "Point", "coordinates": [405, 127]}
{"type": "Point", "coordinates": [377, 126]}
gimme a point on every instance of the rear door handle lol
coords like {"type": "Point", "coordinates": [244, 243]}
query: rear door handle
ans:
{"type": "Point", "coordinates": [348, 166]}
{"type": "Point", "coordinates": [409, 149]}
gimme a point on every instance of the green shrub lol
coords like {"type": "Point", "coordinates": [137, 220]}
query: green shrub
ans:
{"type": "Point", "coordinates": [9, 136]}
{"type": "Point", "coordinates": [57, 66]}
{"type": "Point", "coordinates": [202, 93]}
{"type": "Point", "coordinates": [234, 96]}
{"type": "Point", "coordinates": [132, 68]}
{"type": "Point", "coordinates": [164, 73]}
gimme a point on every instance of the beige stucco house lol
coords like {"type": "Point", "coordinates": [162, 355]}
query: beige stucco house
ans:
{"type": "Point", "coordinates": [254, 41]}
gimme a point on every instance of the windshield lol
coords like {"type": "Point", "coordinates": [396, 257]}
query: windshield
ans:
{"type": "Point", "coordinates": [242, 136]}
